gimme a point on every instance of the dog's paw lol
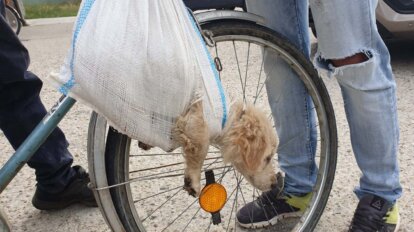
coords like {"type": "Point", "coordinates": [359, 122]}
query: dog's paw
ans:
{"type": "Point", "coordinates": [144, 146]}
{"type": "Point", "coordinates": [192, 187]}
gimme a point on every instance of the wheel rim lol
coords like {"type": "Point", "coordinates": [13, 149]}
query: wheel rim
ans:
{"type": "Point", "coordinates": [12, 20]}
{"type": "Point", "coordinates": [166, 197]}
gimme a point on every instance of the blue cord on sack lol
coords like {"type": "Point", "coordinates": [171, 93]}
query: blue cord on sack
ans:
{"type": "Point", "coordinates": [83, 13]}
{"type": "Point", "coordinates": [213, 67]}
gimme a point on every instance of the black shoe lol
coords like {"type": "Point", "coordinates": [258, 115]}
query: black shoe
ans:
{"type": "Point", "coordinates": [374, 214]}
{"type": "Point", "coordinates": [271, 207]}
{"type": "Point", "coordinates": [76, 192]}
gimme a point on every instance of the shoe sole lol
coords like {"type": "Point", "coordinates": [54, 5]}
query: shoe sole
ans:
{"type": "Point", "coordinates": [397, 227]}
{"type": "Point", "coordinates": [44, 205]}
{"type": "Point", "coordinates": [273, 221]}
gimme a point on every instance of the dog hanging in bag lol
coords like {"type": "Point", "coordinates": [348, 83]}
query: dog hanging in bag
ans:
{"type": "Point", "coordinates": [144, 66]}
{"type": "Point", "coordinates": [141, 64]}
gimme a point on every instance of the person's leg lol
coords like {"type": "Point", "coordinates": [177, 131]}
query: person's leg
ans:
{"type": "Point", "coordinates": [368, 87]}
{"type": "Point", "coordinates": [58, 184]}
{"type": "Point", "coordinates": [21, 110]}
{"type": "Point", "coordinates": [359, 59]}
{"type": "Point", "coordinates": [294, 117]}
{"type": "Point", "coordinates": [288, 18]}
{"type": "Point", "coordinates": [291, 106]}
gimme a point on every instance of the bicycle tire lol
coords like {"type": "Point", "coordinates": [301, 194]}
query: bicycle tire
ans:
{"type": "Point", "coordinates": [13, 19]}
{"type": "Point", "coordinates": [117, 145]}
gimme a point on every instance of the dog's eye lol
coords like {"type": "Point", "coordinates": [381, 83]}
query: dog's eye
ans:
{"type": "Point", "coordinates": [268, 159]}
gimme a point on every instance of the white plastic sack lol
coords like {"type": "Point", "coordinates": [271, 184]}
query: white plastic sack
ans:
{"type": "Point", "coordinates": [141, 63]}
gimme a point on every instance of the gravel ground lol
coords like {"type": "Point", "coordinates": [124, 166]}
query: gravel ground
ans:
{"type": "Point", "coordinates": [48, 43]}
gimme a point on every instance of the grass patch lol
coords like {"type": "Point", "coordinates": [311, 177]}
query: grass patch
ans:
{"type": "Point", "coordinates": [52, 10]}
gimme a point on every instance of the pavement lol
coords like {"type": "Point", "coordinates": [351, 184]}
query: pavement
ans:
{"type": "Point", "coordinates": [48, 41]}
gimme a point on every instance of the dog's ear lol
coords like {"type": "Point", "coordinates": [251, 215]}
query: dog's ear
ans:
{"type": "Point", "coordinates": [249, 138]}
{"type": "Point", "coordinates": [238, 109]}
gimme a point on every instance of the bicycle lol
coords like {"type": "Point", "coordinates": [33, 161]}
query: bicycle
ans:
{"type": "Point", "coordinates": [133, 187]}
{"type": "Point", "coordinates": [121, 162]}
{"type": "Point", "coordinates": [14, 15]}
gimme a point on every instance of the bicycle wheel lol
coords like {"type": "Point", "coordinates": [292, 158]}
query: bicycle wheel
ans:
{"type": "Point", "coordinates": [142, 190]}
{"type": "Point", "coordinates": [13, 19]}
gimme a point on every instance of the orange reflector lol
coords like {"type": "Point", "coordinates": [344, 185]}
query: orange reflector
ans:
{"type": "Point", "coordinates": [213, 197]}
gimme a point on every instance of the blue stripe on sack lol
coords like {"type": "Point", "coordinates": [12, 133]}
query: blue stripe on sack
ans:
{"type": "Point", "coordinates": [216, 74]}
{"type": "Point", "coordinates": [83, 13]}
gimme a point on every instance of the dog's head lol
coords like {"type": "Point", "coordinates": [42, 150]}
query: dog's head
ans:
{"type": "Point", "coordinates": [249, 142]}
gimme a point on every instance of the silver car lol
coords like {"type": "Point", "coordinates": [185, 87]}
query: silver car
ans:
{"type": "Point", "coordinates": [395, 19]}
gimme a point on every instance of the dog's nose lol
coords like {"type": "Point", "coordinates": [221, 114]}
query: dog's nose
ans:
{"type": "Point", "coordinates": [273, 179]}
{"type": "Point", "coordinates": [274, 183]}
{"type": "Point", "coordinates": [277, 181]}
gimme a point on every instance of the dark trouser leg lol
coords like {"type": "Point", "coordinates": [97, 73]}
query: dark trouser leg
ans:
{"type": "Point", "coordinates": [21, 110]}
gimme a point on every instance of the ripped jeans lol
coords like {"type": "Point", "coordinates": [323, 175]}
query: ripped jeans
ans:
{"type": "Point", "coordinates": [345, 28]}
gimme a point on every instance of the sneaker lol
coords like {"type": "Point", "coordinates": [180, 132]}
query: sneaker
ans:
{"type": "Point", "coordinates": [76, 192]}
{"type": "Point", "coordinates": [271, 207]}
{"type": "Point", "coordinates": [374, 214]}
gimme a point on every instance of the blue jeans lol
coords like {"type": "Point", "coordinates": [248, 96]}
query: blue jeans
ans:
{"type": "Point", "coordinates": [345, 28]}
{"type": "Point", "coordinates": [21, 110]}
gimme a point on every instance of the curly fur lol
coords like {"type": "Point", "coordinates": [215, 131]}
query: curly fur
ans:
{"type": "Point", "coordinates": [248, 142]}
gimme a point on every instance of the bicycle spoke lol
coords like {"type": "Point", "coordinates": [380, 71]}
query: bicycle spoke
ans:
{"type": "Point", "coordinates": [179, 215]}
{"type": "Point", "coordinates": [238, 67]}
{"type": "Point", "coordinates": [273, 207]}
{"type": "Point", "coordinates": [233, 191]}
{"type": "Point", "coordinates": [261, 202]}
{"type": "Point", "coordinates": [251, 215]}
{"type": "Point", "coordinates": [245, 76]}
{"type": "Point", "coordinates": [169, 154]}
{"type": "Point", "coordinates": [159, 154]}
{"type": "Point", "coordinates": [238, 181]}
{"type": "Point", "coordinates": [198, 210]}
{"type": "Point", "coordinates": [241, 192]}
{"type": "Point", "coordinates": [242, 178]}
{"type": "Point", "coordinates": [209, 225]}
{"type": "Point", "coordinates": [167, 165]}
{"type": "Point", "coordinates": [170, 171]}
{"type": "Point", "coordinates": [169, 190]}
{"type": "Point", "coordinates": [224, 173]}
{"type": "Point", "coordinates": [168, 199]}
{"type": "Point", "coordinates": [151, 177]}
{"type": "Point", "coordinates": [157, 194]}
{"type": "Point", "coordinates": [261, 89]}
{"type": "Point", "coordinates": [232, 209]}
{"type": "Point", "coordinates": [159, 167]}
{"type": "Point", "coordinates": [260, 77]}
{"type": "Point", "coordinates": [293, 138]}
